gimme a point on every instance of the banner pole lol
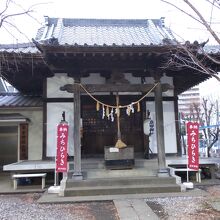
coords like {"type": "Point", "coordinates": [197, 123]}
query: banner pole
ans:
{"type": "Point", "coordinates": [55, 170]}
{"type": "Point", "coordinates": [187, 157]}
{"type": "Point", "coordinates": [187, 153]}
{"type": "Point", "coordinates": [55, 178]}
{"type": "Point", "coordinates": [187, 169]}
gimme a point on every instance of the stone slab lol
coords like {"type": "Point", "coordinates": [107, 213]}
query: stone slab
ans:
{"type": "Point", "coordinates": [134, 209]}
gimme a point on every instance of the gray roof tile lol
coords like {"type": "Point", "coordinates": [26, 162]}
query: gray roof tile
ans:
{"type": "Point", "coordinates": [19, 48]}
{"type": "Point", "coordinates": [18, 100]}
{"type": "Point", "coordinates": [212, 49]}
{"type": "Point", "coordinates": [105, 32]}
{"type": "Point", "coordinates": [13, 117]}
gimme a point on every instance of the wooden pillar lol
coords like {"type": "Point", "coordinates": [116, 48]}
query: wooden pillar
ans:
{"type": "Point", "coordinates": [160, 130]}
{"type": "Point", "coordinates": [178, 126]}
{"type": "Point", "coordinates": [77, 172]}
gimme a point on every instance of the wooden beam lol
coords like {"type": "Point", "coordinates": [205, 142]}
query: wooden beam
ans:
{"type": "Point", "coordinates": [113, 88]}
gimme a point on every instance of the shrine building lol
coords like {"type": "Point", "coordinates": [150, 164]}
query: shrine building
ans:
{"type": "Point", "coordinates": [110, 77]}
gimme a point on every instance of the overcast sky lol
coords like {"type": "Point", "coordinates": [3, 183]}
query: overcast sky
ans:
{"type": "Point", "coordinates": [181, 25]}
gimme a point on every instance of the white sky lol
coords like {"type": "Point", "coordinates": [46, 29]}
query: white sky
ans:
{"type": "Point", "coordinates": [180, 24]}
{"type": "Point", "coordinates": [140, 9]}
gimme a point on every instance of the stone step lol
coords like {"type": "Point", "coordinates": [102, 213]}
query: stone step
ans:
{"type": "Point", "coordinates": [120, 181]}
{"type": "Point", "coordinates": [90, 164]}
{"type": "Point", "coordinates": [117, 190]}
{"type": "Point", "coordinates": [103, 173]}
{"type": "Point", "coordinates": [100, 164]}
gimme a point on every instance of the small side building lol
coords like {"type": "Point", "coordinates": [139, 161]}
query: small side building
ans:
{"type": "Point", "coordinates": [21, 123]}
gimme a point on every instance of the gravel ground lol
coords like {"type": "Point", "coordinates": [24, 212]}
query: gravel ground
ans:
{"type": "Point", "coordinates": [25, 207]}
{"type": "Point", "coordinates": [185, 208]}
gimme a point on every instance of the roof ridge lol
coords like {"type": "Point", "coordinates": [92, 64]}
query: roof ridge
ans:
{"type": "Point", "coordinates": [19, 94]}
{"type": "Point", "coordinates": [17, 46]}
{"type": "Point", "coordinates": [102, 21]}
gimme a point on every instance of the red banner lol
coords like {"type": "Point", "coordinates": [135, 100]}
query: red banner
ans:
{"type": "Point", "coordinates": [62, 140]}
{"type": "Point", "coordinates": [192, 129]}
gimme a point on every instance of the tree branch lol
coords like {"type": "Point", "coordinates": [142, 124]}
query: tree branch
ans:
{"type": "Point", "coordinates": [3, 18]}
{"type": "Point", "coordinates": [6, 7]}
{"type": "Point", "coordinates": [181, 10]}
{"type": "Point", "coordinates": [204, 22]}
{"type": "Point", "coordinates": [14, 26]}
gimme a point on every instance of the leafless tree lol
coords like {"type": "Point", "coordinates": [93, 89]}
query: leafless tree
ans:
{"type": "Point", "coordinates": [10, 10]}
{"type": "Point", "coordinates": [207, 114]}
{"type": "Point", "coordinates": [194, 55]}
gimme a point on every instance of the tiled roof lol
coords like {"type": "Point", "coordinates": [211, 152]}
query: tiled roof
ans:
{"type": "Point", "coordinates": [105, 32]}
{"type": "Point", "coordinates": [19, 48]}
{"type": "Point", "coordinates": [212, 49]}
{"type": "Point", "coordinates": [18, 100]}
{"type": "Point", "coordinates": [13, 117]}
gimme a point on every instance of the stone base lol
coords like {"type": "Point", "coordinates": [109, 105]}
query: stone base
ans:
{"type": "Point", "coordinates": [163, 173]}
{"type": "Point", "coordinates": [54, 189]}
{"type": "Point", "coordinates": [119, 164]}
{"type": "Point", "coordinates": [188, 185]}
{"type": "Point", "coordinates": [77, 176]}
{"type": "Point", "coordinates": [122, 158]}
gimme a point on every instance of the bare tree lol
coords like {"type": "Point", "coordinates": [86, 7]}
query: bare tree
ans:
{"type": "Point", "coordinates": [207, 114]}
{"type": "Point", "coordinates": [195, 56]}
{"type": "Point", "coordinates": [10, 10]}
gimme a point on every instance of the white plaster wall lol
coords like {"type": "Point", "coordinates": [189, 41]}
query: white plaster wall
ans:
{"type": "Point", "coordinates": [35, 131]}
{"type": "Point", "coordinates": [35, 135]}
{"type": "Point", "coordinates": [169, 127]}
{"type": "Point", "coordinates": [93, 78]}
{"type": "Point", "coordinates": [168, 80]}
{"type": "Point", "coordinates": [54, 84]}
{"type": "Point", "coordinates": [164, 79]}
{"type": "Point", "coordinates": [54, 113]}
{"type": "Point", "coordinates": [132, 79]}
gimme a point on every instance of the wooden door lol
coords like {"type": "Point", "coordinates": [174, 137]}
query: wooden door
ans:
{"type": "Point", "coordinates": [98, 132]}
{"type": "Point", "coordinates": [23, 141]}
{"type": "Point", "coordinates": [8, 144]}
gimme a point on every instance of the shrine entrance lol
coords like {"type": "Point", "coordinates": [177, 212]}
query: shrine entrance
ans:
{"type": "Point", "coordinates": [99, 132]}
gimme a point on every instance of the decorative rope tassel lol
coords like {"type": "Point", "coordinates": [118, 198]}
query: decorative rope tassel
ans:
{"type": "Point", "coordinates": [117, 111]}
{"type": "Point", "coordinates": [107, 111]}
{"type": "Point", "coordinates": [119, 143]}
{"type": "Point", "coordinates": [128, 110]}
{"type": "Point", "coordinates": [138, 107]}
{"type": "Point", "coordinates": [103, 111]}
{"type": "Point", "coordinates": [112, 115]}
{"type": "Point", "coordinates": [132, 107]}
{"type": "Point", "coordinates": [97, 106]}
